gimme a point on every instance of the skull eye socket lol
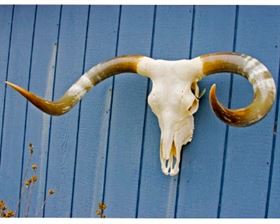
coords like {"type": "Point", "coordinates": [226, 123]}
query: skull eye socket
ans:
{"type": "Point", "coordinates": [193, 108]}
{"type": "Point", "coordinates": [195, 90]}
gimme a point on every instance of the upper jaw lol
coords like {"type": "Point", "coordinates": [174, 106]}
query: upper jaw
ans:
{"type": "Point", "coordinates": [169, 163]}
{"type": "Point", "coordinates": [171, 146]}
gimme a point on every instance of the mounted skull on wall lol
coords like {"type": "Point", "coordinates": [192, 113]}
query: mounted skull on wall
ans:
{"type": "Point", "coordinates": [175, 94]}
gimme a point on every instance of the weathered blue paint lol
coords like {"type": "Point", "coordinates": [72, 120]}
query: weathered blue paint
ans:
{"type": "Point", "coordinates": [249, 149]}
{"type": "Point", "coordinates": [41, 82]}
{"type": "Point", "coordinates": [129, 97]}
{"type": "Point", "coordinates": [62, 148]}
{"type": "Point", "coordinates": [154, 182]}
{"type": "Point", "coordinates": [107, 147]}
{"type": "Point", "coordinates": [200, 179]}
{"type": "Point", "coordinates": [6, 19]}
{"type": "Point", "coordinates": [15, 110]}
{"type": "Point", "coordinates": [95, 114]}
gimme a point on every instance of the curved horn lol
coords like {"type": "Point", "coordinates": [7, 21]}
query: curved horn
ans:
{"type": "Point", "coordinates": [255, 72]}
{"type": "Point", "coordinates": [91, 78]}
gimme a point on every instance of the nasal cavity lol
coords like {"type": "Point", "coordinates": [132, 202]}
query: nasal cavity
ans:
{"type": "Point", "coordinates": [171, 165]}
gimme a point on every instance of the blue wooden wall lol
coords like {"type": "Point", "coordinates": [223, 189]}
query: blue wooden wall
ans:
{"type": "Point", "coordinates": [107, 147]}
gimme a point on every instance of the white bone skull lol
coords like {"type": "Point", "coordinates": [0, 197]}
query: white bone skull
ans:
{"type": "Point", "coordinates": [174, 100]}
{"type": "Point", "coordinates": [174, 97]}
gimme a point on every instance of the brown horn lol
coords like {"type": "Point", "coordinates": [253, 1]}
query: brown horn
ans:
{"type": "Point", "coordinates": [255, 72]}
{"type": "Point", "coordinates": [91, 78]}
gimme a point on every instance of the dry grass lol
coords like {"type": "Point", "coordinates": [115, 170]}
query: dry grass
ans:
{"type": "Point", "coordinates": [26, 190]}
{"type": "Point", "coordinates": [101, 208]}
{"type": "Point", "coordinates": [27, 187]}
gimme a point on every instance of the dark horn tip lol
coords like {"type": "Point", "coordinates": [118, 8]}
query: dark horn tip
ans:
{"type": "Point", "coordinates": [228, 116]}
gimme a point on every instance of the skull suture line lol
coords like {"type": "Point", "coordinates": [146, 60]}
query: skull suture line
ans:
{"type": "Point", "coordinates": [175, 95]}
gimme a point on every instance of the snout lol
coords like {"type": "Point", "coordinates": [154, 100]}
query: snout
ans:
{"type": "Point", "coordinates": [169, 162]}
{"type": "Point", "coordinates": [173, 137]}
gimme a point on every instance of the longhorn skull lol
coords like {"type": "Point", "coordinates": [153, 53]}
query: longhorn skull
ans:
{"type": "Point", "coordinates": [175, 94]}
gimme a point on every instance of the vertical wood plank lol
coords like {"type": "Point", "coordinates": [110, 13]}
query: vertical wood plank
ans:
{"type": "Point", "coordinates": [6, 20]}
{"type": "Point", "coordinates": [14, 117]}
{"type": "Point", "coordinates": [273, 196]}
{"type": "Point", "coordinates": [64, 129]}
{"type": "Point", "coordinates": [250, 186]}
{"type": "Point", "coordinates": [128, 108]}
{"type": "Point", "coordinates": [171, 41]}
{"type": "Point", "coordinates": [273, 200]}
{"type": "Point", "coordinates": [37, 124]}
{"type": "Point", "coordinates": [249, 149]}
{"type": "Point", "coordinates": [202, 159]}
{"type": "Point", "coordinates": [95, 114]}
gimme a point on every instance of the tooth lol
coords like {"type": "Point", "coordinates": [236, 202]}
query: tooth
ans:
{"type": "Point", "coordinates": [174, 171]}
{"type": "Point", "coordinates": [165, 169]}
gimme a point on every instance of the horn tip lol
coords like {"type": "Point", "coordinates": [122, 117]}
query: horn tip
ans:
{"type": "Point", "coordinates": [19, 89]}
{"type": "Point", "coordinates": [8, 83]}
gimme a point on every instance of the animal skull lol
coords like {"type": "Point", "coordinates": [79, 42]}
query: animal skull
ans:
{"type": "Point", "coordinates": [174, 100]}
{"type": "Point", "coordinates": [175, 94]}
